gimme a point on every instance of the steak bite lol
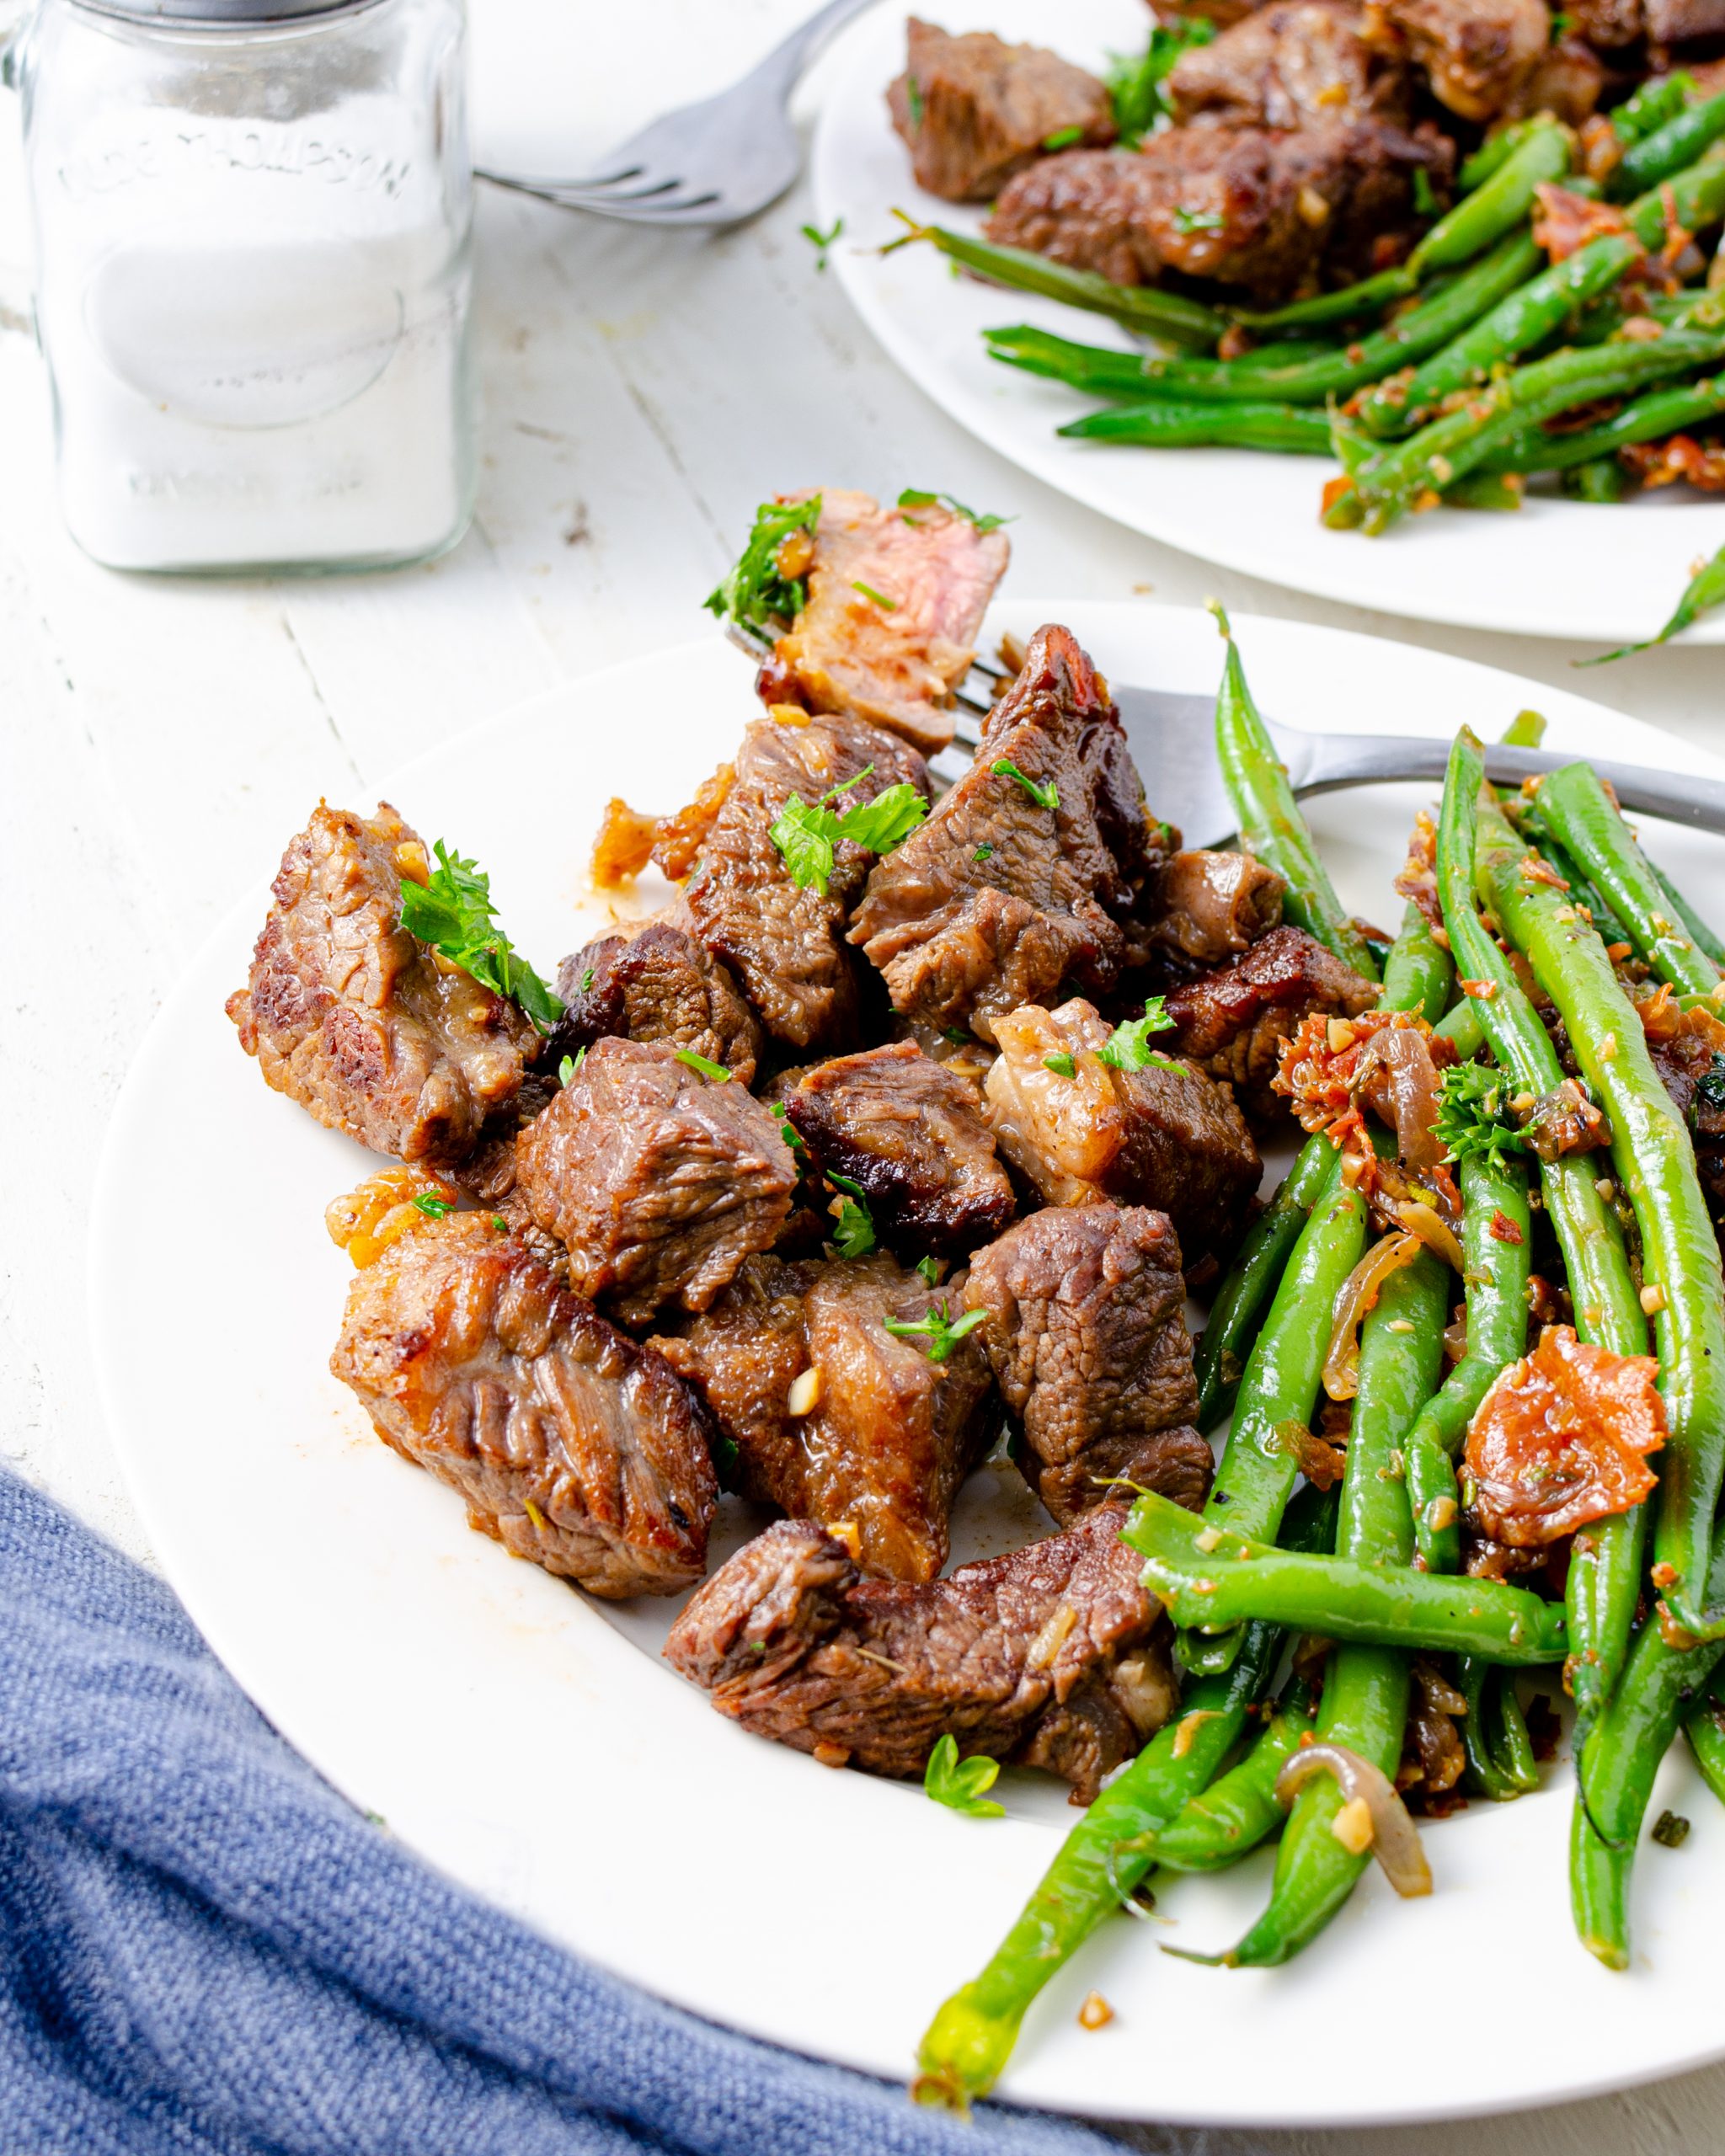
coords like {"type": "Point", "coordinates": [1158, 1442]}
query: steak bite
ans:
{"type": "Point", "coordinates": [1165, 1136]}
{"type": "Point", "coordinates": [359, 1021]}
{"type": "Point", "coordinates": [660, 984]}
{"type": "Point", "coordinates": [1477, 54]}
{"type": "Point", "coordinates": [659, 1182]}
{"type": "Point", "coordinates": [784, 942]}
{"type": "Point", "coordinates": [1052, 1657]}
{"type": "Point", "coordinates": [895, 665]}
{"type": "Point", "coordinates": [1000, 899]}
{"type": "Point", "coordinates": [1295, 63]}
{"type": "Point", "coordinates": [1233, 1021]}
{"type": "Point", "coordinates": [1084, 1321]}
{"type": "Point", "coordinates": [835, 1418]}
{"type": "Point", "coordinates": [1209, 906]}
{"type": "Point", "coordinates": [571, 1445]}
{"type": "Point", "coordinates": [910, 1133]}
{"type": "Point", "coordinates": [973, 110]}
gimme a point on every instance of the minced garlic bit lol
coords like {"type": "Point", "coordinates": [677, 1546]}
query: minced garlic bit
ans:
{"type": "Point", "coordinates": [535, 1514]}
{"type": "Point", "coordinates": [1051, 1638]}
{"type": "Point", "coordinates": [1523, 1102]}
{"type": "Point", "coordinates": [832, 1755]}
{"type": "Point", "coordinates": [1208, 1539]}
{"type": "Point", "coordinates": [1606, 1188]}
{"type": "Point", "coordinates": [1608, 1047]}
{"type": "Point", "coordinates": [805, 1395]}
{"type": "Point", "coordinates": [1341, 1036]}
{"type": "Point", "coordinates": [1440, 1514]}
{"type": "Point", "coordinates": [1189, 1729]}
{"type": "Point", "coordinates": [1096, 2013]}
{"type": "Point", "coordinates": [1352, 1826]}
{"type": "Point", "coordinates": [1652, 1299]}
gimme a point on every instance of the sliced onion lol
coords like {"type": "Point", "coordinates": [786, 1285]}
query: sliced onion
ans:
{"type": "Point", "coordinates": [1358, 1292]}
{"type": "Point", "coordinates": [1395, 1840]}
{"type": "Point", "coordinates": [1413, 1095]}
{"type": "Point", "coordinates": [1429, 1226]}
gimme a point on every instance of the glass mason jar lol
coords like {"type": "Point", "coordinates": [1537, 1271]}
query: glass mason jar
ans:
{"type": "Point", "coordinates": [252, 225]}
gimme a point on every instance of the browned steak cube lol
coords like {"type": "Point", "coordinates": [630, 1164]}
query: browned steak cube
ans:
{"type": "Point", "coordinates": [784, 943]}
{"type": "Point", "coordinates": [659, 1180]}
{"type": "Point", "coordinates": [354, 1018]}
{"type": "Point", "coordinates": [1054, 1656]}
{"type": "Point", "coordinates": [1209, 906]}
{"type": "Point", "coordinates": [661, 983]}
{"type": "Point", "coordinates": [1296, 63]}
{"type": "Point", "coordinates": [1081, 1130]}
{"type": "Point", "coordinates": [1233, 1021]}
{"type": "Point", "coordinates": [974, 110]}
{"type": "Point", "coordinates": [910, 1131]}
{"type": "Point", "coordinates": [570, 1443]}
{"type": "Point", "coordinates": [894, 665]}
{"type": "Point", "coordinates": [1477, 54]}
{"type": "Point", "coordinates": [834, 1418]}
{"type": "Point", "coordinates": [1084, 1320]}
{"type": "Point", "coordinates": [999, 898]}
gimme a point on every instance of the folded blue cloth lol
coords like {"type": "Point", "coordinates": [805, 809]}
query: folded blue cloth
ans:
{"type": "Point", "coordinates": [208, 1953]}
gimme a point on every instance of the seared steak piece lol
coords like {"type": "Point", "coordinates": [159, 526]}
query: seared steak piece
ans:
{"type": "Point", "coordinates": [1084, 1320]}
{"type": "Point", "coordinates": [895, 665]}
{"type": "Point", "coordinates": [910, 1131]}
{"type": "Point", "coordinates": [1569, 80]}
{"type": "Point", "coordinates": [353, 1018]}
{"type": "Point", "coordinates": [974, 110]}
{"type": "Point", "coordinates": [571, 1444]}
{"type": "Point", "coordinates": [1210, 906]}
{"type": "Point", "coordinates": [1295, 63]}
{"type": "Point", "coordinates": [1052, 1657]}
{"type": "Point", "coordinates": [785, 944]}
{"type": "Point", "coordinates": [659, 1182]}
{"type": "Point", "coordinates": [1259, 209]}
{"type": "Point", "coordinates": [1165, 1136]}
{"type": "Point", "coordinates": [998, 899]}
{"type": "Point", "coordinates": [661, 983]}
{"type": "Point", "coordinates": [834, 1418]}
{"type": "Point", "coordinates": [1476, 53]}
{"type": "Point", "coordinates": [1233, 1021]}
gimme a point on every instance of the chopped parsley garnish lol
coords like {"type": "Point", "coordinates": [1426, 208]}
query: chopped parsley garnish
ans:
{"type": "Point", "coordinates": [913, 100]}
{"type": "Point", "coordinates": [821, 241]}
{"type": "Point", "coordinates": [806, 832]}
{"type": "Point", "coordinates": [1710, 1087]}
{"type": "Point", "coordinates": [1128, 1047]}
{"type": "Point", "coordinates": [1425, 199]}
{"type": "Point", "coordinates": [1134, 82]}
{"type": "Point", "coordinates": [886, 606]}
{"type": "Point", "coordinates": [1561, 26]}
{"type": "Point", "coordinates": [984, 853]}
{"type": "Point", "coordinates": [431, 1205]}
{"type": "Point", "coordinates": [853, 1234]}
{"type": "Point", "coordinates": [939, 1327]}
{"type": "Point", "coordinates": [452, 912]}
{"type": "Point", "coordinates": [1045, 794]}
{"type": "Point", "coordinates": [704, 1063]}
{"type": "Point", "coordinates": [586, 980]}
{"type": "Point", "coordinates": [914, 498]}
{"type": "Point", "coordinates": [1063, 138]}
{"type": "Point", "coordinates": [1670, 1829]}
{"type": "Point", "coordinates": [787, 1129]}
{"type": "Point", "coordinates": [929, 1268]}
{"type": "Point", "coordinates": [755, 594]}
{"type": "Point", "coordinates": [1061, 1065]}
{"type": "Point", "coordinates": [956, 1034]}
{"type": "Point", "coordinates": [958, 1784]}
{"type": "Point", "coordinates": [1474, 1119]}
{"type": "Point", "coordinates": [570, 1064]}
{"type": "Point", "coordinates": [500, 1224]}
{"type": "Point", "coordinates": [1198, 221]}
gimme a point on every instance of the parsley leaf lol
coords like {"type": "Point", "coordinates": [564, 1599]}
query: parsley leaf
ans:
{"type": "Point", "coordinates": [1061, 1065]}
{"type": "Point", "coordinates": [806, 832]}
{"type": "Point", "coordinates": [452, 912]}
{"type": "Point", "coordinates": [939, 1327]}
{"type": "Point", "coordinates": [1425, 199]}
{"type": "Point", "coordinates": [500, 1225]}
{"type": "Point", "coordinates": [787, 1129]}
{"type": "Point", "coordinates": [1474, 1118]}
{"type": "Point", "coordinates": [958, 1784]}
{"type": "Point", "coordinates": [1134, 83]}
{"type": "Point", "coordinates": [570, 1064]}
{"type": "Point", "coordinates": [983, 853]}
{"type": "Point", "coordinates": [853, 1235]}
{"type": "Point", "coordinates": [1128, 1047]}
{"type": "Point", "coordinates": [1197, 220]}
{"type": "Point", "coordinates": [929, 1268]}
{"type": "Point", "coordinates": [886, 606]}
{"type": "Point", "coordinates": [431, 1205]}
{"type": "Point", "coordinates": [885, 821]}
{"type": "Point", "coordinates": [586, 980]}
{"type": "Point", "coordinates": [1045, 795]}
{"type": "Point", "coordinates": [705, 1065]}
{"type": "Point", "coordinates": [914, 498]}
{"type": "Point", "coordinates": [757, 594]}
{"type": "Point", "coordinates": [1063, 138]}
{"type": "Point", "coordinates": [821, 241]}
{"type": "Point", "coordinates": [913, 100]}
{"type": "Point", "coordinates": [957, 1035]}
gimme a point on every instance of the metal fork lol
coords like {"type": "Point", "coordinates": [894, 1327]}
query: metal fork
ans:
{"type": "Point", "coordinates": [717, 163]}
{"type": "Point", "coordinates": [1172, 740]}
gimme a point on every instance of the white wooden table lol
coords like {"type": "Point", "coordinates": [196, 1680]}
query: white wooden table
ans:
{"type": "Point", "coordinates": [159, 740]}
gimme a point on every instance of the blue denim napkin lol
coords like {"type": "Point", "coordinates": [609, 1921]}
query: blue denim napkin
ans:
{"type": "Point", "coordinates": [205, 1949]}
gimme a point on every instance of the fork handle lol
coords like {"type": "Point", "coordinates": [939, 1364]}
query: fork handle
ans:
{"type": "Point", "coordinates": [791, 55]}
{"type": "Point", "coordinates": [1341, 760]}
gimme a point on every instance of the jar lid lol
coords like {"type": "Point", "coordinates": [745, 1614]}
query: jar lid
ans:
{"type": "Point", "coordinates": [218, 14]}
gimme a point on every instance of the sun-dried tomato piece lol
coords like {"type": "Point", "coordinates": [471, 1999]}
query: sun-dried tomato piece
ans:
{"type": "Point", "coordinates": [1418, 879]}
{"type": "Point", "coordinates": [1563, 222]}
{"type": "Point", "coordinates": [624, 843]}
{"type": "Point", "coordinates": [1561, 1439]}
{"type": "Point", "coordinates": [681, 835]}
{"type": "Point", "coordinates": [1679, 456]}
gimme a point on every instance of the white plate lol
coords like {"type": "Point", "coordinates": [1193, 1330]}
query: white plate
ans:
{"type": "Point", "coordinates": [1555, 569]}
{"type": "Point", "coordinates": [528, 1741]}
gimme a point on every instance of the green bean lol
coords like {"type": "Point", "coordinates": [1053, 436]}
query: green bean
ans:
{"type": "Point", "coordinates": [1399, 479]}
{"type": "Point", "coordinates": [1287, 429]}
{"type": "Point", "coordinates": [1365, 1689]}
{"type": "Point", "coordinates": [1497, 1270]}
{"type": "Point", "coordinates": [1649, 418]}
{"type": "Point", "coordinates": [1526, 730]}
{"type": "Point", "coordinates": [1622, 1757]}
{"type": "Point", "coordinates": [1239, 1810]}
{"type": "Point", "coordinates": [1142, 308]}
{"type": "Point", "coordinates": [1698, 929]}
{"type": "Point", "coordinates": [1692, 199]}
{"type": "Point", "coordinates": [1599, 480]}
{"type": "Point", "coordinates": [1500, 1756]}
{"type": "Point", "coordinates": [1655, 1165]}
{"type": "Point", "coordinates": [1271, 825]}
{"type": "Point", "coordinates": [1206, 1577]}
{"type": "Point", "coordinates": [1418, 974]}
{"type": "Point", "coordinates": [1478, 166]}
{"type": "Point", "coordinates": [1514, 325]}
{"type": "Point", "coordinates": [1599, 1892]}
{"type": "Point", "coordinates": [1669, 149]}
{"type": "Point", "coordinates": [1503, 491]}
{"type": "Point", "coordinates": [1649, 107]}
{"type": "Point", "coordinates": [1704, 1726]}
{"type": "Point", "coordinates": [1552, 849]}
{"type": "Point", "coordinates": [1105, 1856]}
{"type": "Point", "coordinates": [1704, 590]}
{"type": "Point", "coordinates": [1588, 823]}
{"type": "Point", "coordinates": [1222, 1347]}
